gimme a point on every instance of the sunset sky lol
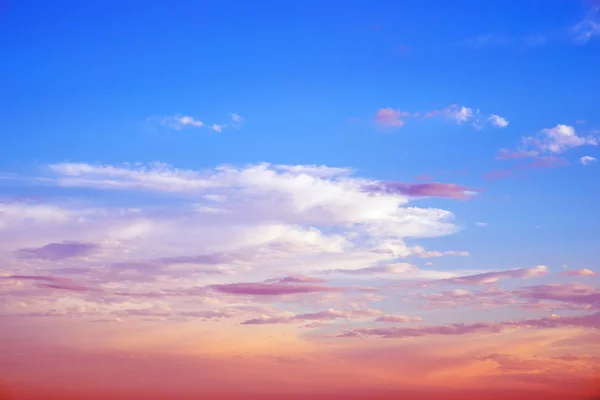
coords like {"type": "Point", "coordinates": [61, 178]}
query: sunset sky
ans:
{"type": "Point", "coordinates": [299, 199]}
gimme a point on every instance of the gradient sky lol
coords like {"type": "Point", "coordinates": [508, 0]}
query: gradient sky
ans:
{"type": "Point", "coordinates": [309, 199]}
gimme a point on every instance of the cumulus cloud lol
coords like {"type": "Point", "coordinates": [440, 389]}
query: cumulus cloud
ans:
{"type": "Point", "coordinates": [164, 257]}
{"type": "Point", "coordinates": [498, 121]}
{"type": "Point", "coordinates": [549, 141]}
{"type": "Point", "coordinates": [587, 160]}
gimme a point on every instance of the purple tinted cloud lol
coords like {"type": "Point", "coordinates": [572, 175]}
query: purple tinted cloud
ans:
{"type": "Point", "coordinates": [570, 293]}
{"type": "Point", "coordinates": [487, 278]}
{"type": "Point", "coordinates": [296, 279]}
{"type": "Point", "coordinates": [51, 282]}
{"type": "Point", "coordinates": [272, 289]}
{"type": "Point", "coordinates": [59, 251]}
{"type": "Point", "coordinates": [583, 321]}
{"type": "Point", "coordinates": [429, 189]}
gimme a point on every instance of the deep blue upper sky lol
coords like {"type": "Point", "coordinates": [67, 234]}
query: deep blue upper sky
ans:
{"type": "Point", "coordinates": [79, 79]}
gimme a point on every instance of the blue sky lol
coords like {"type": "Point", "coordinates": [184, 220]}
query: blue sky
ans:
{"type": "Point", "coordinates": [80, 81]}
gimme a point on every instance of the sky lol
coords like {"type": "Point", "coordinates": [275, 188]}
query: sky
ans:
{"type": "Point", "coordinates": [299, 199]}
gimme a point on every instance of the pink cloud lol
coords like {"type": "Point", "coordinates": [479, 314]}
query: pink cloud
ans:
{"type": "Point", "coordinates": [487, 278]}
{"type": "Point", "coordinates": [52, 282]}
{"type": "Point", "coordinates": [388, 117]}
{"type": "Point", "coordinates": [505, 154]}
{"type": "Point", "coordinates": [498, 174]}
{"type": "Point", "coordinates": [320, 316]}
{"type": "Point", "coordinates": [545, 162]}
{"type": "Point", "coordinates": [395, 268]}
{"type": "Point", "coordinates": [580, 272]}
{"type": "Point", "coordinates": [59, 251]}
{"type": "Point", "coordinates": [567, 292]}
{"type": "Point", "coordinates": [591, 321]}
{"type": "Point", "coordinates": [398, 319]}
{"type": "Point", "coordinates": [296, 279]}
{"type": "Point", "coordinates": [271, 289]}
{"type": "Point", "coordinates": [431, 189]}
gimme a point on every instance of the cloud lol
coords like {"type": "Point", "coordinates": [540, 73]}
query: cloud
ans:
{"type": "Point", "coordinates": [180, 121]}
{"type": "Point", "coordinates": [498, 174]}
{"type": "Point", "coordinates": [307, 193]}
{"type": "Point", "coordinates": [398, 319]}
{"type": "Point", "coordinates": [567, 292]}
{"type": "Point", "coordinates": [59, 251]}
{"type": "Point", "coordinates": [580, 272]}
{"type": "Point", "coordinates": [486, 40]}
{"type": "Point", "coordinates": [549, 141]}
{"type": "Point", "coordinates": [462, 114]}
{"type": "Point", "coordinates": [585, 30]}
{"type": "Point", "coordinates": [587, 160]}
{"type": "Point", "coordinates": [505, 154]}
{"type": "Point", "coordinates": [584, 321]}
{"type": "Point", "coordinates": [432, 189]}
{"type": "Point", "coordinates": [161, 257]}
{"type": "Point", "coordinates": [493, 277]}
{"type": "Point", "coordinates": [51, 282]}
{"type": "Point", "coordinates": [544, 162]}
{"type": "Point", "coordinates": [481, 224]}
{"type": "Point", "coordinates": [271, 289]}
{"type": "Point", "coordinates": [296, 279]}
{"type": "Point", "coordinates": [321, 316]}
{"type": "Point", "coordinates": [390, 117]}
{"type": "Point", "coordinates": [394, 268]}
{"type": "Point", "coordinates": [498, 121]}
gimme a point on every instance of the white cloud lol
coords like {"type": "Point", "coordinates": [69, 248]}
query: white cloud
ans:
{"type": "Point", "coordinates": [498, 121]}
{"type": "Point", "coordinates": [220, 225]}
{"type": "Point", "coordinates": [587, 160]}
{"type": "Point", "coordinates": [462, 115]}
{"type": "Point", "coordinates": [481, 224]}
{"type": "Point", "coordinates": [179, 122]}
{"type": "Point", "coordinates": [551, 141]}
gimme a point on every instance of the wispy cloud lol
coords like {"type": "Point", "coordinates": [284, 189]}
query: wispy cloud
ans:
{"type": "Point", "coordinates": [580, 272]}
{"type": "Point", "coordinates": [585, 30]}
{"type": "Point", "coordinates": [587, 321]}
{"type": "Point", "coordinates": [394, 118]}
{"type": "Point", "coordinates": [180, 121]}
{"type": "Point", "coordinates": [588, 160]}
{"type": "Point", "coordinates": [59, 251]}
{"type": "Point", "coordinates": [430, 189]}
